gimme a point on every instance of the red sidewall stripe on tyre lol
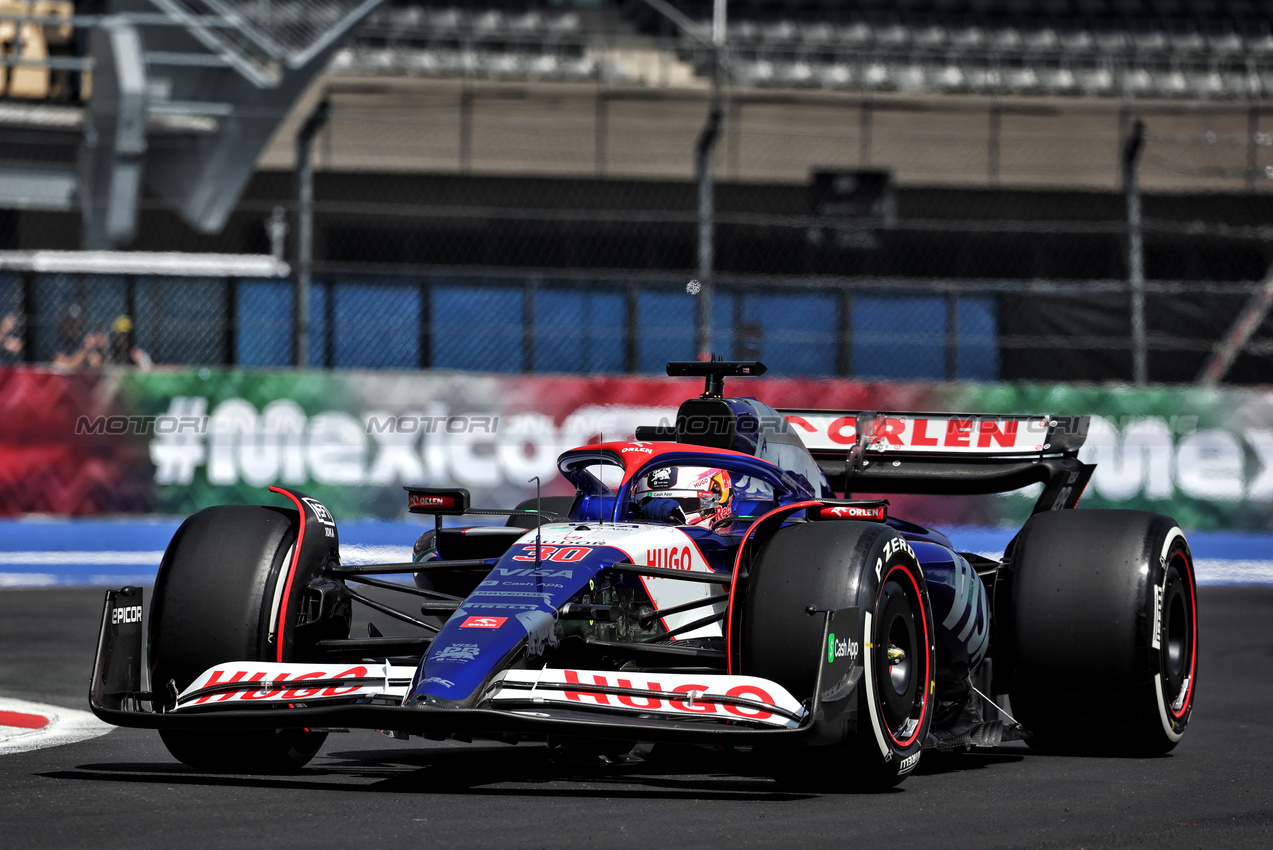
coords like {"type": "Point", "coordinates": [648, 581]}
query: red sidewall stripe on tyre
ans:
{"type": "Point", "coordinates": [923, 617]}
{"type": "Point", "coordinates": [1193, 636]}
{"type": "Point", "coordinates": [291, 570]}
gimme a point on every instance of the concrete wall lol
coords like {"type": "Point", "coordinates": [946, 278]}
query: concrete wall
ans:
{"type": "Point", "coordinates": [561, 129]}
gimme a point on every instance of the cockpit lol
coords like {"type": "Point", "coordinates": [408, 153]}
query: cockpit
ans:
{"type": "Point", "coordinates": [722, 461]}
{"type": "Point", "coordinates": [672, 484]}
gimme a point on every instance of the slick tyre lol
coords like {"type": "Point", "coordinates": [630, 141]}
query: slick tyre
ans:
{"type": "Point", "coordinates": [1100, 629]}
{"type": "Point", "coordinates": [216, 600]}
{"type": "Point", "coordinates": [834, 565]}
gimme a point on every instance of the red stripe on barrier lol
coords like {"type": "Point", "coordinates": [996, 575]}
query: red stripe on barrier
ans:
{"type": "Point", "coordinates": [23, 721]}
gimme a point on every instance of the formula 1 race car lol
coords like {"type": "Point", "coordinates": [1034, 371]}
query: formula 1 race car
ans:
{"type": "Point", "coordinates": [711, 582]}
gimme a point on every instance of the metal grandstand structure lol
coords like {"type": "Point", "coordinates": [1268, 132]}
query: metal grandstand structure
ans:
{"type": "Point", "coordinates": [182, 96]}
{"type": "Point", "coordinates": [177, 96]}
{"type": "Point", "coordinates": [482, 164]}
{"type": "Point", "coordinates": [260, 39]}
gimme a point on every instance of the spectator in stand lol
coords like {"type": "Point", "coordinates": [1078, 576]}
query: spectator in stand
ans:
{"type": "Point", "coordinates": [11, 343]}
{"type": "Point", "coordinates": [75, 349]}
{"type": "Point", "coordinates": [123, 348]}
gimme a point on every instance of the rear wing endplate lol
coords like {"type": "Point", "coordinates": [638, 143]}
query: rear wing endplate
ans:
{"type": "Point", "coordinates": [947, 453]}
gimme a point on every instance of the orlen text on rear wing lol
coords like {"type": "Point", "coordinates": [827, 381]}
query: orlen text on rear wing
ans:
{"type": "Point", "coordinates": [947, 453]}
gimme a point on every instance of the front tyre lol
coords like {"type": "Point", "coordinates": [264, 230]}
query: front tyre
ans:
{"type": "Point", "coordinates": [899, 658]}
{"type": "Point", "coordinates": [217, 598]}
{"type": "Point", "coordinates": [1101, 632]}
{"type": "Point", "coordinates": [836, 565]}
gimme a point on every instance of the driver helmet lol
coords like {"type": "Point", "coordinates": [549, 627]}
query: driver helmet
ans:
{"type": "Point", "coordinates": [703, 492]}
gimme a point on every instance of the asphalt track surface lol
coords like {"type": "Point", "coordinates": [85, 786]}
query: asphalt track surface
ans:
{"type": "Point", "coordinates": [123, 790]}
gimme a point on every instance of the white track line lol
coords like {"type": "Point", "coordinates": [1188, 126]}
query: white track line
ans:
{"type": "Point", "coordinates": [53, 558]}
{"type": "Point", "coordinates": [66, 726]}
{"type": "Point", "coordinates": [1221, 571]}
{"type": "Point", "coordinates": [354, 554]}
{"type": "Point", "coordinates": [357, 554]}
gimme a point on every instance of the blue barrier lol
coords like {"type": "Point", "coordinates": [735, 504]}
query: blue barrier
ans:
{"type": "Point", "coordinates": [56, 552]}
{"type": "Point", "coordinates": [47, 552]}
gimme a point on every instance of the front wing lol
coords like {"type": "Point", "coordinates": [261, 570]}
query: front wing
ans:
{"type": "Point", "coordinates": [684, 707]}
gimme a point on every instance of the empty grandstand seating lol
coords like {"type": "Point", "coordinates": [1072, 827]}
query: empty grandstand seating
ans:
{"type": "Point", "coordinates": [1141, 48]}
{"type": "Point", "coordinates": [480, 42]}
{"type": "Point", "coordinates": [1158, 48]}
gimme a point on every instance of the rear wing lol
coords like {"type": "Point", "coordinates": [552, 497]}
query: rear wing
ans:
{"type": "Point", "coordinates": [947, 453]}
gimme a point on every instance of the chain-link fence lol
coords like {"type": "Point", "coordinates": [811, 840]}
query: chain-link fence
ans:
{"type": "Point", "coordinates": [554, 227]}
{"type": "Point", "coordinates": [852, 235]}
{"type": "Point", "coordinates": [90, 320]}
{"type": "Point", "coordinates": [896, 329]}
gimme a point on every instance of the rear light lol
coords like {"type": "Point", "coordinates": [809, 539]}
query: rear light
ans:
{"type": "Point", "coordinates": [422, 500]}
{"type": "Point", "coordinates": [868, 510]}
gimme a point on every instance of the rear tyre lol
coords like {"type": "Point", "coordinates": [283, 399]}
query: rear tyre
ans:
{"type": "Point", "coordinates": [841, 565]}
{"type": "Point", "coordinates": [216, 594]}
{"type": "Point", "coordinates": [1101, 632]}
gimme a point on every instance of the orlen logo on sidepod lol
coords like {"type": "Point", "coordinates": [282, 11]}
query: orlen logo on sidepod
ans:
{"type": "Point", "coordinates": [841, 649]}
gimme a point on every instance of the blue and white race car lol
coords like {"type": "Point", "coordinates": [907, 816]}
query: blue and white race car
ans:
{"type": "Point", "coordinates": [711, 582]}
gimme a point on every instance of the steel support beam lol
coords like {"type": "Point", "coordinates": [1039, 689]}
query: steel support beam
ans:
{"type": "Point", "coordinates": [114, 146]}
{"type": "Point", "coordinates": [305, 229]}
{"type": "Point", "coordinates": [1135, 252]}
{"type": "Point", "coordinates": [1253, 314]}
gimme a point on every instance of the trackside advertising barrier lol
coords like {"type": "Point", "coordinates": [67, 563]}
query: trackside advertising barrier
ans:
{"type": "Point", "coordinates": [175, 442]}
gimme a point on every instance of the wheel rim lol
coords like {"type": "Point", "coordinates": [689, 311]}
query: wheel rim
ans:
{"type": "Point", "coordinates": [900, 653]}
{"type": "Point", "coordinates": [1177, 635]}
{"type": "Point", "coordinates": [901, 666]}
